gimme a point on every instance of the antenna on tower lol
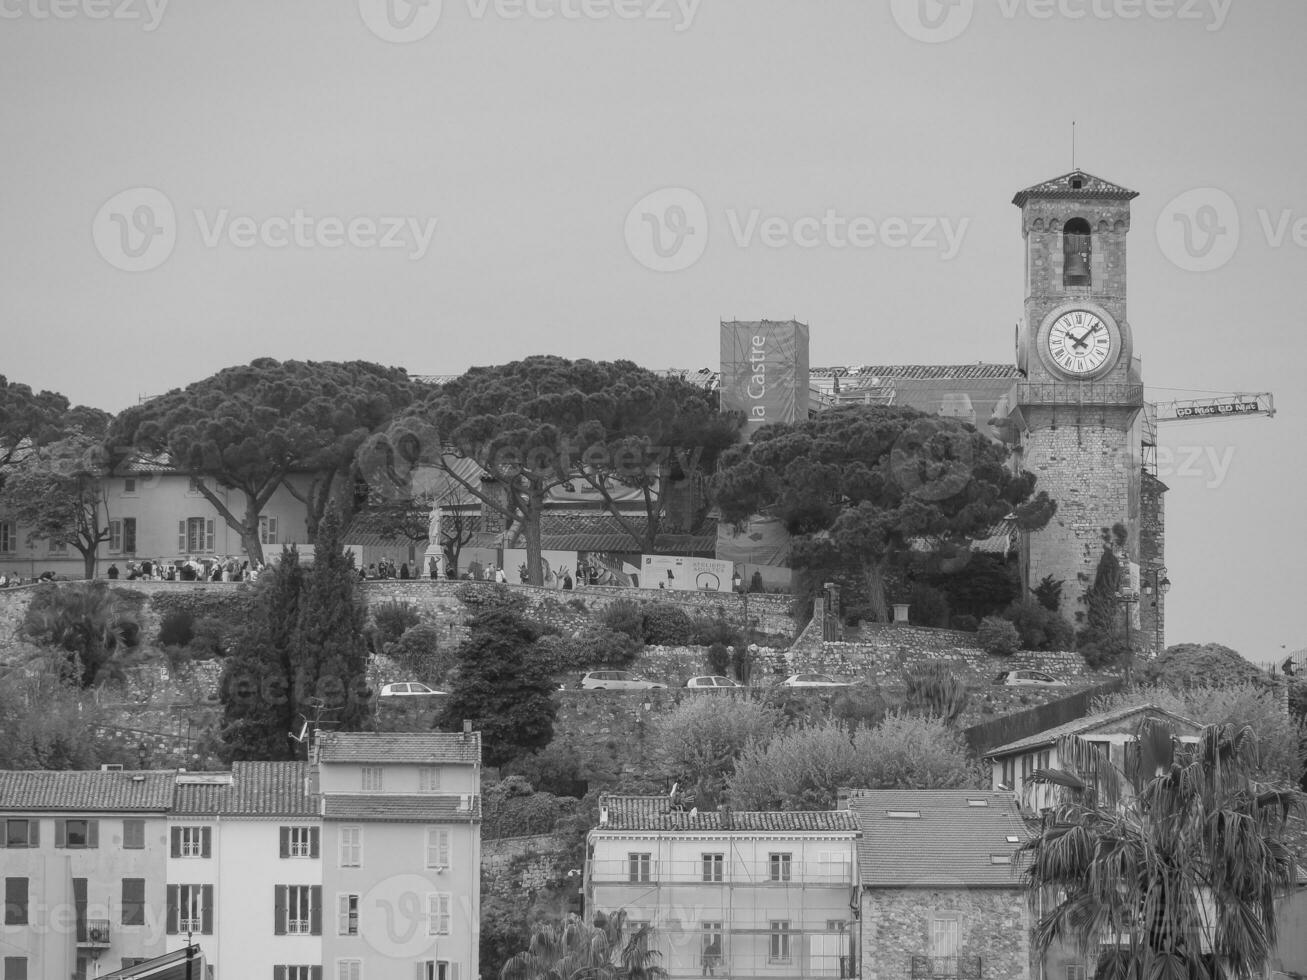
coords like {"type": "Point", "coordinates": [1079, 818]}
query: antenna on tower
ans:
{"type": "Point", "coordinates": [1073, 144]}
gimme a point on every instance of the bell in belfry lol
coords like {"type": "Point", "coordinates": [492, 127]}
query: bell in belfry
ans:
{"type": "Point", "coordinates": [1077, 268]}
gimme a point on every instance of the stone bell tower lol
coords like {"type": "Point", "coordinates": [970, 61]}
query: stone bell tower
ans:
{"type": "Point", "coordinates": [1076, 409]}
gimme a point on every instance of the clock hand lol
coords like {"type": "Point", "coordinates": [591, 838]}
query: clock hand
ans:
{"type": "Point", "coordinates": [1080, 341]}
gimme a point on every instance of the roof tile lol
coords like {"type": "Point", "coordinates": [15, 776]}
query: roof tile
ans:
{"type": "Point", "coordinates": [1083, 725]}
{"type": "Point", "coordinates": [655, 813]}
{"type": "Point", "coordinates": [399, 808]}
{"type": "Point", "coordinates": [86, 790]}
{"type": "Point", "coordinates": [256, 789]}
{"type": "Point", "coordinates": [426, 748]}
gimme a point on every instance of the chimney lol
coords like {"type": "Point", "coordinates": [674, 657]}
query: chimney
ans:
{"type": "Point", "coordinates": [467, 728]}
{"type": "Point", "coordinates": [725, 812]}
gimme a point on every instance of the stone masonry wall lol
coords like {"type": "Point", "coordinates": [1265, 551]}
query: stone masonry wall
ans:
{"type": "Point", "coordinates": [518, 864]}
{"type": "Point", "coordinates": [992, 924]}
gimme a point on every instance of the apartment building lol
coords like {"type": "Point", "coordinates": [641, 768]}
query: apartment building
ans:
{"type": "Point", "coordinates": [361, 864]}
{"type": "Point", "coordinates": [729, 894]}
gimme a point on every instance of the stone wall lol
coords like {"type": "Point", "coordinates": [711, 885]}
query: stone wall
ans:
{"type": "Point", "coordinates": [518, 864]}
{"type": "Point", "coordinates": [992, 924]}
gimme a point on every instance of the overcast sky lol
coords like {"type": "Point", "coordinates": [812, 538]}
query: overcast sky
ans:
{"type": "Point", "coordinates": [190, 185]}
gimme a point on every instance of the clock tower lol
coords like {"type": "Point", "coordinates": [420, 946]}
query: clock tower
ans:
{"type": "Point", "coordinates": [1077, 407]}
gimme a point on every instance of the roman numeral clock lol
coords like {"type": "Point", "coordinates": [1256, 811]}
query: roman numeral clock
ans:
{"type": "Point", "coordinates": [1076, 412]}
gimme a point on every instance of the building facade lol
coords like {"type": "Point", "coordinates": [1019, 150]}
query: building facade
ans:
{"type": "Point", "coordinates": [729, 894]}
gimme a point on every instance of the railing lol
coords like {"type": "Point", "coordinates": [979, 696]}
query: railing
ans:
{"type": "Point", "coordinates": [93, 933]}
{"type": "Point", "coordinates": [960, 967]}
{"type": "Point", "coordinates": [693, 872]}
{"type": "Point", "coordinates": [1074, 393]}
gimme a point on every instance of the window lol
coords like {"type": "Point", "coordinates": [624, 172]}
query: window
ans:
{"type": "Point", "coordinates": [195, 535]}
{"type": "Point", "coordinates": [22, 832]}
{"type": "Point", "coordinates": [134, 834]}
{"type": "Point", "coordinates": [115, 536]}
{"type": "Point", "coordinates": [347, 915]}
{"type": "Point", "coordinates": [190, 909]}
{"type": "Point", "coordinates": [77, 833]}
{"type": "Point", "coordinates": [710, 947]}
{"type": "Point", "coordinates": [15, 901]}
{"type": "Point", "coordinates": [778, 948]}
{"type": "Point", "coordinates": [438, 970]}
{"type": "Point", "coordinates": [15, 968]}
{"type": "Point", "coordinates": [129, 485]}
{"type": "Point", "coordinates": [639, 867]}
{"type": "Point", "coordinates": [267, 530]}
{"type": "Point", "coordinates": [6, 537]}
{"type": "Point", "coordinates": [836, 867]}
{"type": "Point", "coordinates": [193, 485]}
{"type": "Point", "coordinates": [133, 901]}
{"type": "Point", "coordinates": [349, 970]}
{"type": "Point", "coordinates": [1009, 776]}
{"type": "Point", "coordinates": [1077, 251]}
{"type": "Point", "coordinates": [58, 547]}
{"type": "Point", "coordinates": [372, 779]}
{"type": "Point", "coordinates": [429, 779]}
{"type": "Point", "coordinates": [188, 842]}
{"type": "Point", "coordinates": [944, 936]}
{"type": "Point", "coordinates": [778, 867]}
{"type": "Point", "coordinates": [122, 536]}
{"type": "Point", "coordinates": [827, 951]}
{"type": "Point", "coordinates": [297, 973]}
{"type": "Point", "coordinates": [351, 847]}
{"type": "Point", "coordinates": [438, 913]}
{"type": "Point", "coordinates": [300, 842]}
{"type": "Point", "coordinates": [437, 847]}
{"type": "Point", "coordinates": [298, 910]}
{"type": "Point", "coordinates": [713, 867]}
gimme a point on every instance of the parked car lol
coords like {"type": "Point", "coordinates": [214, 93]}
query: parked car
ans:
{"type": "Point", "coordinates": [408, 689]}
{"type": "Point", "coordinates": [813, 680]}
{"type": "Point", "coordinates": [713, 681]}
{"type": "Point", "coordinates": [1028, 678]}
{"type": "Point", "coordinates": [617, 680]}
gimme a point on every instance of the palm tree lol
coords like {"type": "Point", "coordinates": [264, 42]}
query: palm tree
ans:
{"type": "Point", "coordinates": [575, 950]}
{"type": "Point", "coordinates": [1169, 866]}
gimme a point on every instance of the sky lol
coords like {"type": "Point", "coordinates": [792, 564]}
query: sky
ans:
{"type": "Point", "coordinates": [190, 185]}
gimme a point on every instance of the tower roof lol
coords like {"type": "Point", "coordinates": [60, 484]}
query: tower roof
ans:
{"type": "Point", "coordinates": [1076, 184]}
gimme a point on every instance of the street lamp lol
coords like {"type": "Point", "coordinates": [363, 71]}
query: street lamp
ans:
{"type": "Point", "coordinates": [1156, 585]}
{"type": "Point", "coordinates": [1128, 598]}
{"type": "Point", "coordinates": [738, 584]}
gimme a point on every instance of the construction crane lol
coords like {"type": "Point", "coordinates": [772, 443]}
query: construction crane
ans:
{"type": "Point", "coordinates": [1198, 410]}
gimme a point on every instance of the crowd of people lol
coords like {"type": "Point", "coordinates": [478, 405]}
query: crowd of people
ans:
{"type": "Point", "coordinates": [217, 569]}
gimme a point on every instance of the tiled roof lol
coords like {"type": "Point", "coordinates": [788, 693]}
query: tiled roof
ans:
{"type": "Point", "coordinates": [949, 844]}
{"type": "Point", "coordinates": [86, 790]}
{"type": "Point", "coordinates": [1083, 725]}
{"type": "Point", "coordinates": [256, 789]}
{"type": "Point", "coordinates": [399, 808]}
{"type": "Point", "coordinates": [655, 813]}
{"type": "Point", "coordinates": [1090, 186]}
{"type": "Point", "coordinates": [423, 747]}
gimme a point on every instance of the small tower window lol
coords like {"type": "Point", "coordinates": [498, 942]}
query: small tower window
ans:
{"type": "Point", "coordinates": [1077, 248]}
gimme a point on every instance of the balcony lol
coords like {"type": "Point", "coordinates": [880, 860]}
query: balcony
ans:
{"type": "Point", "coordinates": [93, 934]}
{"type": "Point", "coordinates": [620, 871]}
{"type": "Point", "coordinates": [959, 967]}
{"type": "Point", "coordinates": [1079, 393]}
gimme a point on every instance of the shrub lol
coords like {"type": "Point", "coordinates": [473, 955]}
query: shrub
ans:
{"type": "Point", "coordinates": [928, 606]}
{"type": "Point", "coordinates": [667, 625]}
{"type": "Point", "coordinates": [418, 653]}
{"type": "Point", "coordinates": [177, 628]}
{"type": "Point", "coordinates": [485, 597]}
{"type": "Point", "coordinates": [624, 616]}
{"type": "Point", "coordinates": [1048, 593]}
{"type": "Point", "coordinates": [964, 623]}
{"type": "Point", "coordinates": [1039, 627]}
{"type": "Point", "coordinates": [591, 648]}
{"type": "Point", "coordinates": [715, 629]}
{"type": "Point", "coordinates": [719, 659]}
{"type": "Point", "coordinates": [393, 618]}
{"type": "Point", "coordinates": [209, 636]}
{"type": "Point", "coordinates": [88, 621]}
{"type": "Point", "coordinates": [998, 637]}
{"type": "Point", "coordinates": [935, 690]}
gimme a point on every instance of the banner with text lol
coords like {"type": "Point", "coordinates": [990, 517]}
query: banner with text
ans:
{"type": "Point", "coordinates": [685, 574]}
{"type": "Point", "coordinates": [765, 370]}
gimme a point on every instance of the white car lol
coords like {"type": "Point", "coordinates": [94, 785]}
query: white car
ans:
{"type": "Point", "coordinates": [1028, 678]}
{"type": "Point", "coordinates": [813, 680]}
{"type": "Point", "coordinates": [714, 681]}
{"type": "Point", "coordinates": [617, 680]}
{"type": "Point", "coordinates": [409, 689]}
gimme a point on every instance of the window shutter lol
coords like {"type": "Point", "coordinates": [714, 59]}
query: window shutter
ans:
{"type": "Point", "coordinates": [60, 833]}
{"type": "Point", "coordinates": [279, 911]}
{"type": "Point", "coordinates": [79, 905]}
{"type": "Point", "coordinates": [314, 842]}
{"type": "Point", "coordinates": [453, 971]}
{"type": "Point", "coordinates": [92, 833]}
{"type": "Point", "coordinates": [181, 537]}
{"type": "Point", "coordinates": [206, 910]}
{"type": "Point", "coordinates": [208, 535]}
{"type": "Point", "coordinates": [421, 969]}
{"type": "Point", "coordinates": [174, 902]}
{"type": "Point", "coordinates": [129, 535]}
{"type": "Point", "coordinates": [285, 842]}
{"type": "Point", "coordinates": [176, 842]}
{"type": "Point", "coordinates": [278, 973]}
{"type": "Point", "coordinates": [443, 847]}
{"type": "Point", "coordinates": [206, 842]}
{"type": "Point", "coordinates": [315, 910]}
{"type": "Point", "coordinates": [315, 973]}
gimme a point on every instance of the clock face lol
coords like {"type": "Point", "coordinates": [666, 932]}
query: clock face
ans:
{"type": "Point", "coordinates": [1079, 342]}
